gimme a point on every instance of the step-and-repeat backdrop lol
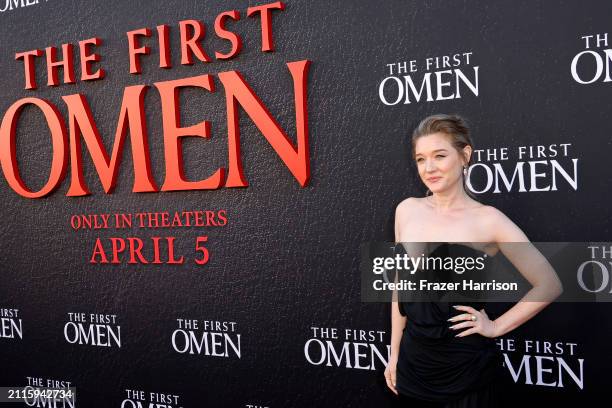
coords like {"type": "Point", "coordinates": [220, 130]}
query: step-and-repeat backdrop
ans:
{"type": "Point", "coordinates": [186, 185]}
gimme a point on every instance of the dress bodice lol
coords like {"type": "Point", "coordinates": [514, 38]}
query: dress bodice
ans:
{"type": "Point", "coordinates": [429, 319]}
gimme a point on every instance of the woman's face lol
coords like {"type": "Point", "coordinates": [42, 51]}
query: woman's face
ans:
{"type": "Point", "coordinates": [439, 164]}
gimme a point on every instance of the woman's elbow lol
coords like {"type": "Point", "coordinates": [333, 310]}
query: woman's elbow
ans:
{"type": "Point", "coordinates": [556, 289]}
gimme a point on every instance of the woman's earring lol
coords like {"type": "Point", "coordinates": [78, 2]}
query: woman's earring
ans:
{"type": "Point", "coordinates": [465, 171]}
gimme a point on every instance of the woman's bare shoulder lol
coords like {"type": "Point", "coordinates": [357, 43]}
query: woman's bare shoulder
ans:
{"type": "Point", "coordinates": [406, 205]}
{"type": "Point", "coordinates": [506, 230]}
{"type": "Point", "coordinates": [488, 211]}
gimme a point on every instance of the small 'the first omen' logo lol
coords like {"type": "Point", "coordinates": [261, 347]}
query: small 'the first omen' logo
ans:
{"type": "Point", "coordinates": [10, 5]}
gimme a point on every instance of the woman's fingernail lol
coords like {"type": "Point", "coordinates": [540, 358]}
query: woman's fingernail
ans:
{"type": "Point", "coordinates": [455, 307]}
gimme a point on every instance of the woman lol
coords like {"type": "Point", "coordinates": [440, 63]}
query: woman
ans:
{"type": "Point", "coordinates": [444, 353]}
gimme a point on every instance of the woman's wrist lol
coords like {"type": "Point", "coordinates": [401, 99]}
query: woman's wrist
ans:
{"type": "Point", "coordinates": [497, 329]}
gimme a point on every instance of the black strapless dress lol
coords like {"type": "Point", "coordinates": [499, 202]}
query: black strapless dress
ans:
{"type": "Point", "coordinates": [434, 365]}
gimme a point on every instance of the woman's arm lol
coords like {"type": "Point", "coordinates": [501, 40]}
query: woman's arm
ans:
{"type": "Point", "coordinates": [534, 267]}
{"type": "Point", "coordinates": [398, 322]}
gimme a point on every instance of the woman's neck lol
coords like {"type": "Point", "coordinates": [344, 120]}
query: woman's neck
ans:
{"type": "Point", "coordinates": [445, 201]}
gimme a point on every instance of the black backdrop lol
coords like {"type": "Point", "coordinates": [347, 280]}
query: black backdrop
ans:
{"type": "Point", "coordinates": [288, 258]}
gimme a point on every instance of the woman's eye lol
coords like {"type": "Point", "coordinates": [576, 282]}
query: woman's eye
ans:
{"type": "Point", "coordinates": [440, 156]}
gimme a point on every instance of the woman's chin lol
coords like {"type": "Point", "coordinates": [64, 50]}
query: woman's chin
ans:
{"type": "Point", "coordinates": [437, 188]}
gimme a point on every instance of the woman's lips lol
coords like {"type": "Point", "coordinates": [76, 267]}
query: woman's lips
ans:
{"type": "Point", "coordinates": [433, 179]}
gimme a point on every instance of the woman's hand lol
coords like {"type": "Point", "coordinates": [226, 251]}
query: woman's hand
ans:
{"type": "Point", "coordinates": [390, 374]}
{"type": "Point", "coordinates": [482, 324]}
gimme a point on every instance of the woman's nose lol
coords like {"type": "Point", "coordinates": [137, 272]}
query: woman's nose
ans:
{"type": "Point", "coordinates": [429, 165]}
